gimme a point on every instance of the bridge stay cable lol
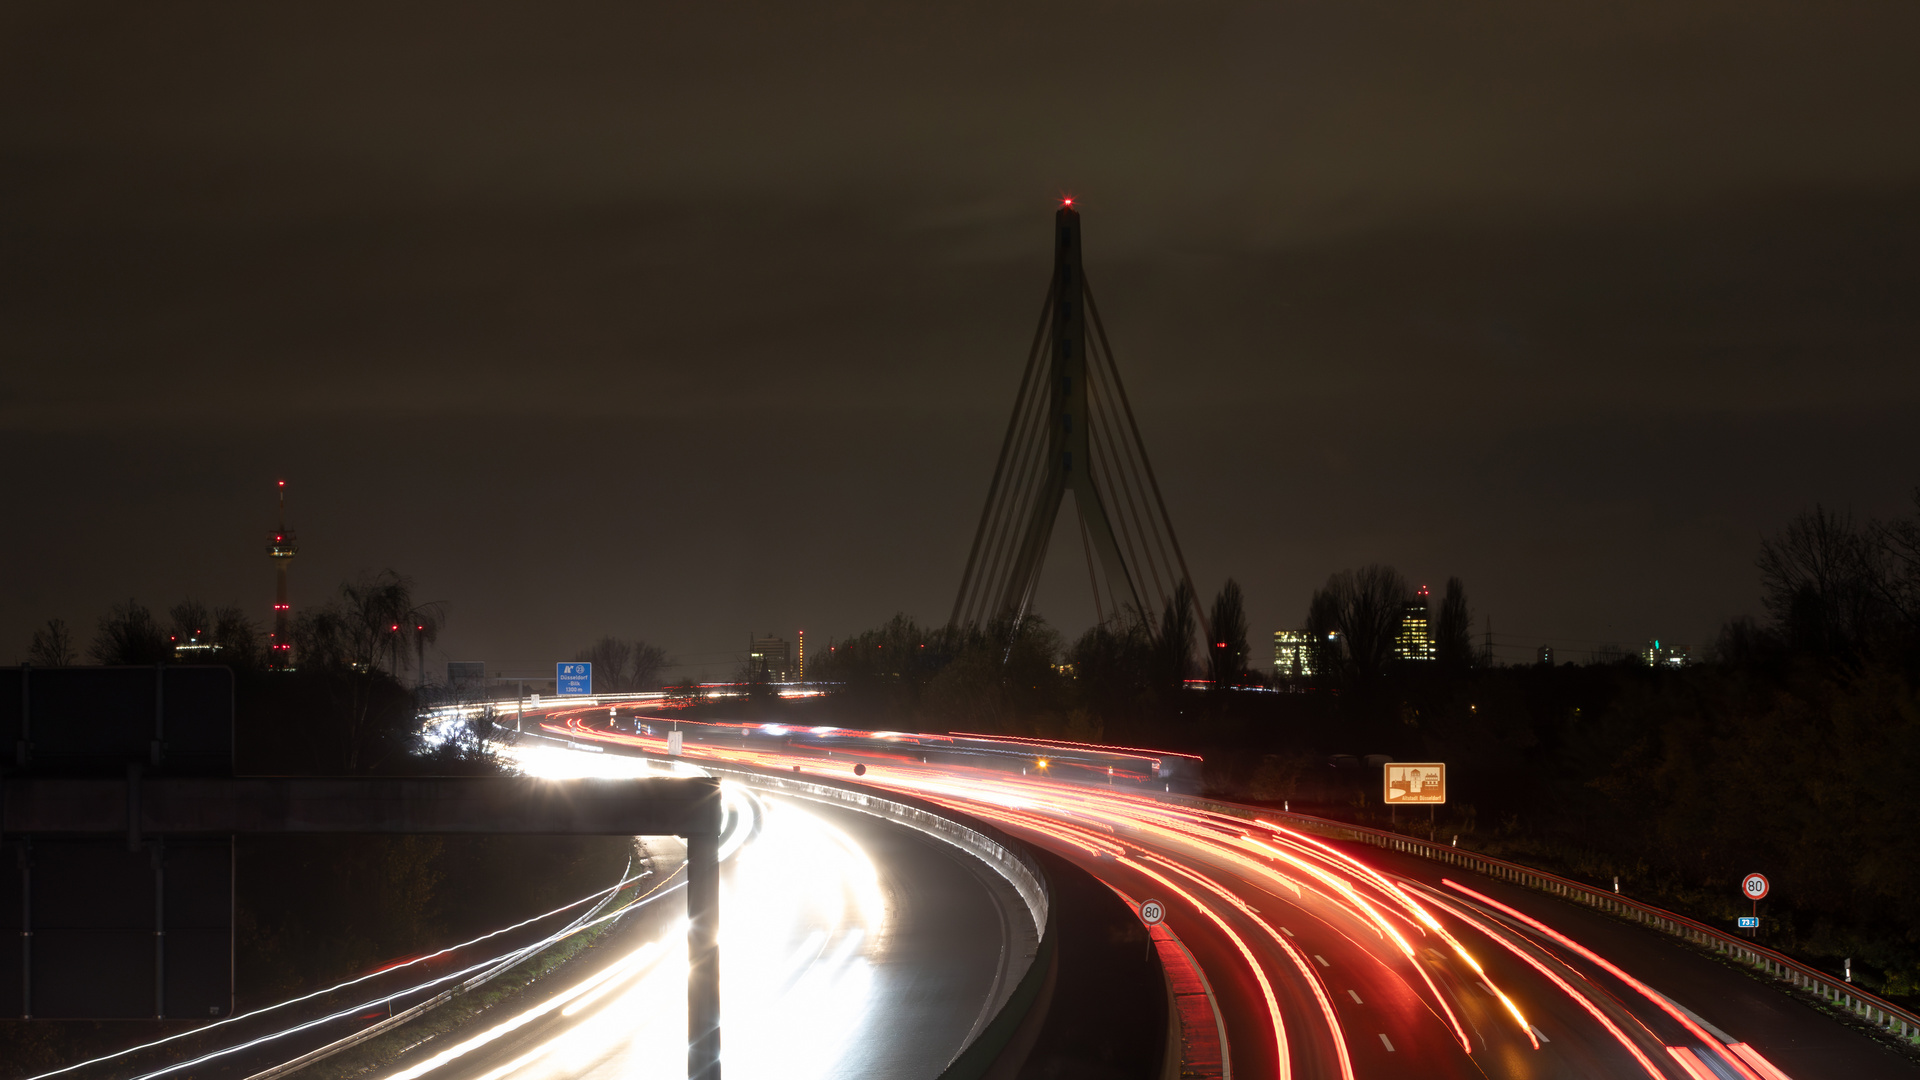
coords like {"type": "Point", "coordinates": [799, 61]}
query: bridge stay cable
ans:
{"type": "Point", "coordinates": [1016, 497]}
{"type": "Point", "coordinates": [1006, 444]}
{"type": "Point", "coordinates": [1114, 490]}
{"type": "Point", "coordinates": [1120, 492]}
{"type": "Point", "coordinates": [1137, 488]}
{"type": "Point", "coordinates": [1108, 438]}
{"type": "Point", "coordinates": [1100, 330]}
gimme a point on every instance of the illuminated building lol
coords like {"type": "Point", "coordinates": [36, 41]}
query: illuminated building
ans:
{"type": "Point", "coordinates": [800, 657]}
{"type": "Point", "coordinates": [194, 650]}
{"type": "Point", "coordinates": [770, 656]}
{"type": "Point", "coordinates": [1293, 654]}
{"type": "Point", "coordinates": [1413, 642]}
{"type": "Point", "coordinates": [1657, 654]}
{"type": "Point", "coordinates": [281, 548]}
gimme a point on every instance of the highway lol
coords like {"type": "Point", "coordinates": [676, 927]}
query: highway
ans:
{"type": "Point", "coordinates": [851, 947]}
{"type": "Point", "coordinates": [847, 944]}
{"type": "Point", "coordinates": [1317, 959]}
{"type": "Point", "coordinates": [855, 947]}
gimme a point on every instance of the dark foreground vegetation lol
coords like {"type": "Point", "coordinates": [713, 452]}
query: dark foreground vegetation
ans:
{"type": "Point", "coordinates": [312, 911]}
{"type": "Point", "coordinates": [1792, 748]}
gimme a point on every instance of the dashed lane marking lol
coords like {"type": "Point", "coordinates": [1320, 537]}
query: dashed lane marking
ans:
{"type": "Point", "coordinates": [1322, 959]}
{"type": "Point", "coordinates": [1388, 1043]}
{"type": "Point", "coordinates": [1355, 995]}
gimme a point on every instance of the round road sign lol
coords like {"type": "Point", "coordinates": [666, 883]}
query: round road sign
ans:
{"type": "Point", "coordinates": [1755, 886]}
{"type": "Point", "coordinates": [1152, 911]}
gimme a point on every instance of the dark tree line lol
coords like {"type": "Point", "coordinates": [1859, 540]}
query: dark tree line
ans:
{"type": "Point", "coordinates": [361, 901]}
{"type": "Point", "coordinates": [344, 708]}
{"type": "Point", "coordinates": [1124, 675]}
{"type": "Point", "coordinates": [1788, 750]}
{"type": "Point", "coordinates": [625, 667]}
{"type": "Point", "coordinates": [1355, 618]}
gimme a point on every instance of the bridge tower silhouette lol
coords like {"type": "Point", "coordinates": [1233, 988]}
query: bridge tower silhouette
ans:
{"type": "Point", "coordinates": [1072, 430]}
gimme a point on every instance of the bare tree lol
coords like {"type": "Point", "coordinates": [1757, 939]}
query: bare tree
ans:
{"type": "Point", "coordinates": [1823, 581]}
{"type": "Point", "coordinates": [611, 658]}
{"type": "Point", "coordinates": [52, 645]}
{"type": "Point", "coordinates": [238, 638]}
{"type": "Point", "coordinates": [348, 639]}
{"type": "Point", "coordinates": [1329, 655]}
{"type": "Point", "coordinates": [128, 634]}
{"type": "Point", "coordinates": [1899, 543]}
{"type": "Point", "coordinates": [426, 621]}
{"type": "Point", "coordinates": [1363, 608]}
{"type": "Point", "coordinates": [191, 621]}
{"type": "Point", "coordinates": [624, 667]}
{"type": "Point", "coordinates": [648, 662]}
{"type": "Point", "coordinates": [1227, 652]}
{"type": "Point", "coordinates": [1453, 630]}
{"type": "Point", "coordinates": [1175, 644]}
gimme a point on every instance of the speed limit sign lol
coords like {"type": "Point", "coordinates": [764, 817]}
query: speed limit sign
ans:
{"type": "Point", "coordinates": [1151, 912]}
{"type": "Point", "coordinates": [1755, 886]}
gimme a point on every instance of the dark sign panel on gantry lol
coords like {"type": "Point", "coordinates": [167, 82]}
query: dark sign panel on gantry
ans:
{"type": "Point", "coordinates": [132, 927]}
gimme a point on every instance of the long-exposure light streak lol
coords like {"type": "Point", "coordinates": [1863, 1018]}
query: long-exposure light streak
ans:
{"type": "Point", "coordinates": [1760, 1065]}
{"type": "Point", "coordinates": [1158, 820]}
{"type": "Point", "coordinates": [361, 1008]}
{"type": "Point", "coordinates": [1593, 1010]}
{"type": "Point", "coordinates": [800, 912]}
{"type": "Point", "coordinates": [528, 1016]}
{"type": "Point", "coordinates": [1134, 830]}
{"type": "Point", "coordinates": [350, 983]}
{"type": "Point", "coordinates": [1285, 1069]}
{"type": "Point", "coordinates": [1307, 973]}
{"type": "Point", "coordinates": [1610, 968]}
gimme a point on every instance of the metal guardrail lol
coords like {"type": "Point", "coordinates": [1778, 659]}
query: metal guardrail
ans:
{"type": "Point", "coordinates": [1870, 1008]}
{"type": "Point", "coordinates": [1009, 862]}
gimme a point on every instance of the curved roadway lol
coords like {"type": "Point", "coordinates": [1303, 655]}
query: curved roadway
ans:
{"type": "Point", "coordinates": [1315, 959]}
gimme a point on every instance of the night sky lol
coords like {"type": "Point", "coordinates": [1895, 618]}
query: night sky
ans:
{"type": "Point", "coordinates": [681, 322]}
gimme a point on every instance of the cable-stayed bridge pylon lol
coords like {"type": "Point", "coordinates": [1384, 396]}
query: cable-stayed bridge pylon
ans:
{"type": "Point", "coordinates": [1072, 430]}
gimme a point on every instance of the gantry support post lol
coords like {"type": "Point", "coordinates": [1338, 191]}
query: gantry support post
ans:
{"type": "Point", "coordinates": [146, 809]}
{"type": "Point", "coordinates": [703, 956]}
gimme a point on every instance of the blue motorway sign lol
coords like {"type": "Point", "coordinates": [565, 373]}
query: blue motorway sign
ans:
{"type": "Point", "coordinates": [573, 679]}
{"type": "Point", "coordinates": [1748, 922]}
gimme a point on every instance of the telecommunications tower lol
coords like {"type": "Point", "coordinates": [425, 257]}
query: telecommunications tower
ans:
{"type": "Point", "coordinates": [1072, 430]}
{"type": "Point", "coordinates": [281, 549]}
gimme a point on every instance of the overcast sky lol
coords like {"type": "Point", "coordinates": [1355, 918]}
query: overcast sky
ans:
{"type": "Point", "coordinates": [684, 322]}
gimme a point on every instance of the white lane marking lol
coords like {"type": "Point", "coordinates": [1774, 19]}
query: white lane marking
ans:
{"type": "Point", "coordinates": [1356, 997]}
{"type": "Point", "coordinates": [1387, 1042]}
{"type": "Point", "coordinates": [1698, 1019]}
{"type": "Point", "coordinates": [1286, 931]}
{"type": "Point", "coordinates": [1322, 959]}
{"type": "Point", "coordinates": [1541, 1035]}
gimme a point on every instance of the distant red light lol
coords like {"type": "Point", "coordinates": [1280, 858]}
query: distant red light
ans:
{"type": "Point", "coordinates": [1068, 201]}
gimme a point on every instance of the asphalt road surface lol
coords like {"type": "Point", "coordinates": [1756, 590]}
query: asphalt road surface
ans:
{"type": "Point", "coordinates": [1327, 960]}
{"type": "Point", "coordinates": [851, 947]}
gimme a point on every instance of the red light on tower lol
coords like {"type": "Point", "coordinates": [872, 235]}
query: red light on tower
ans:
{"type": "Point", "coordinates": [1067, 201]}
